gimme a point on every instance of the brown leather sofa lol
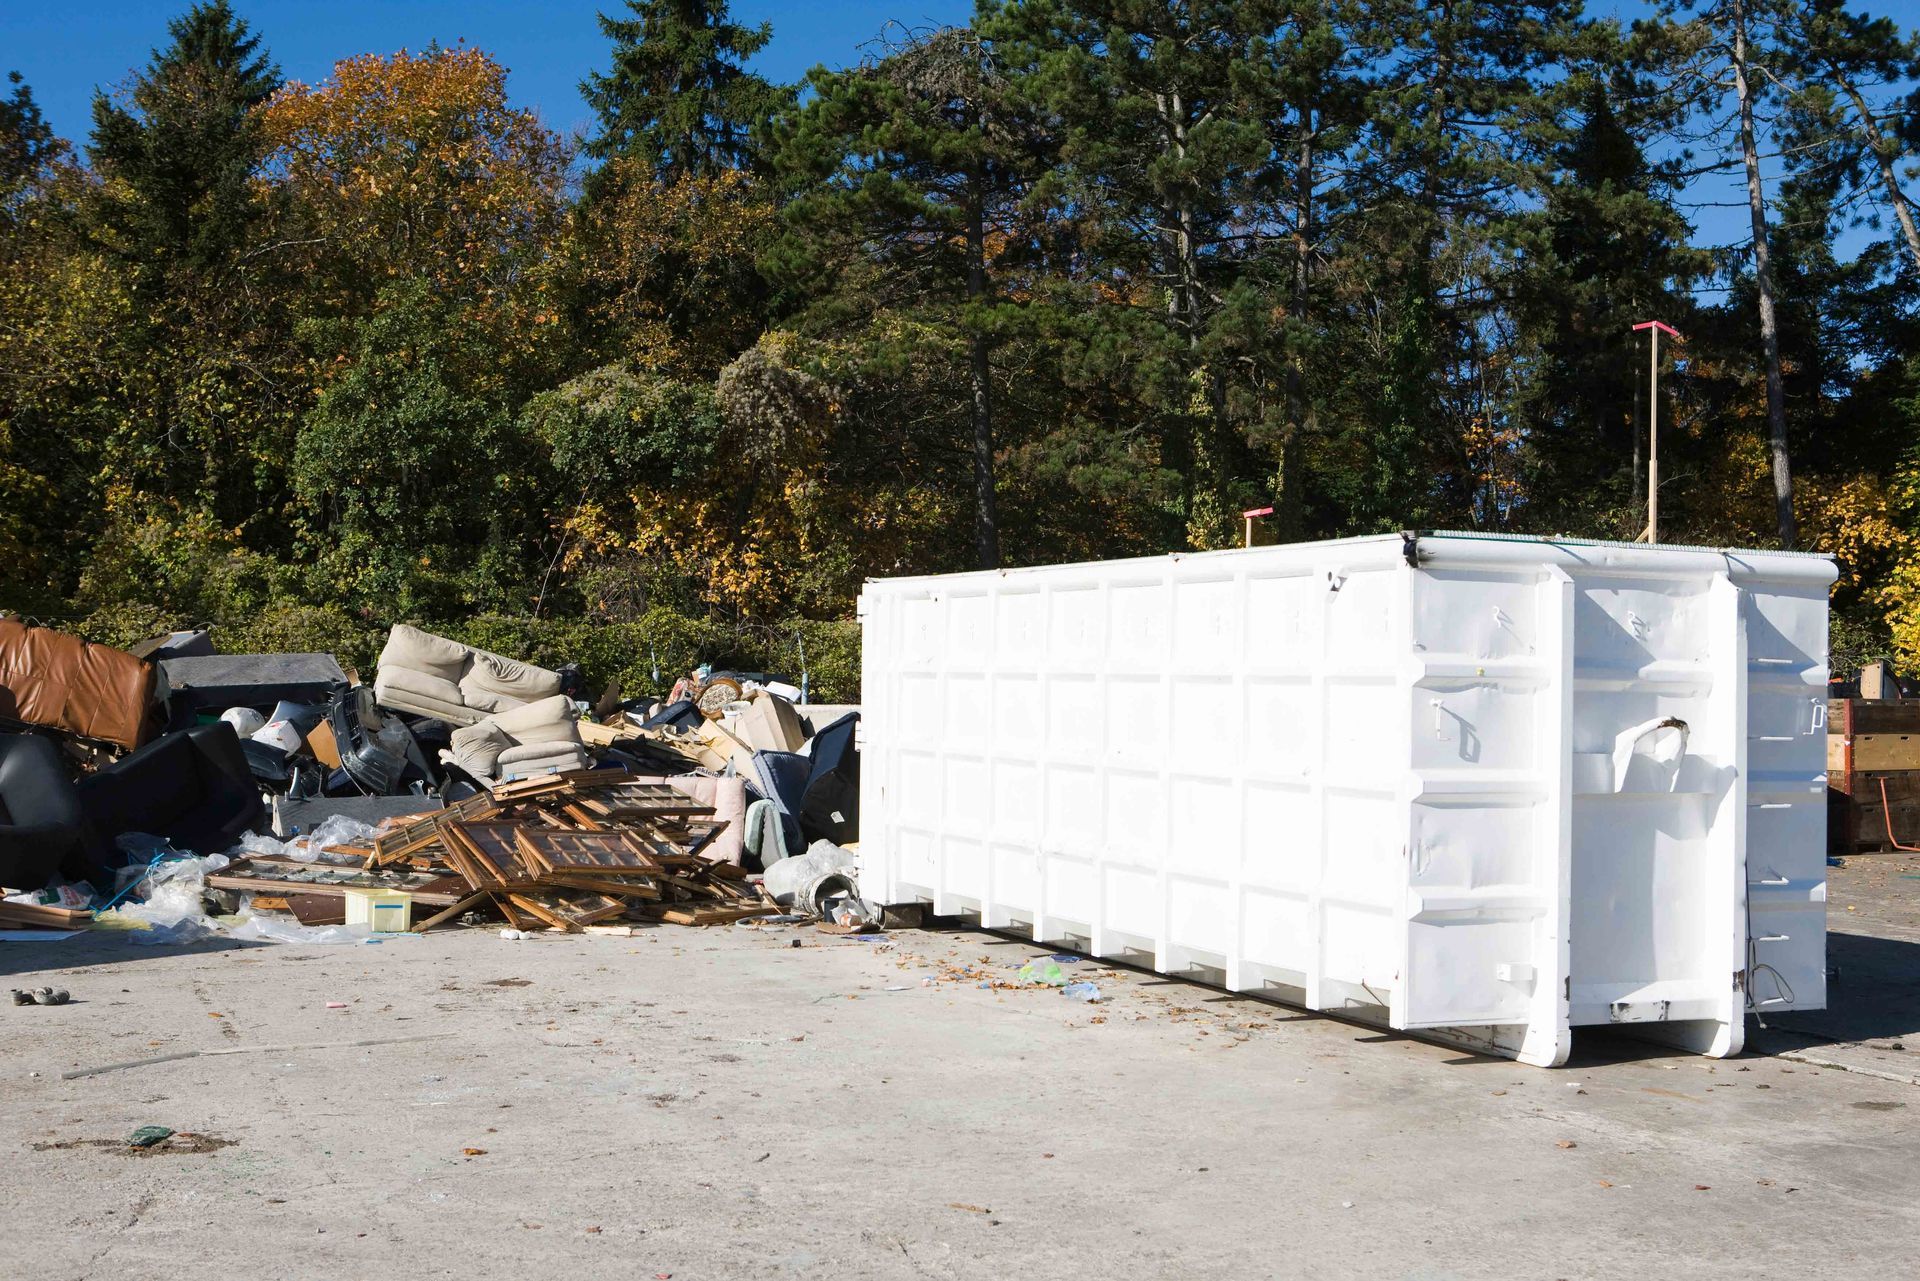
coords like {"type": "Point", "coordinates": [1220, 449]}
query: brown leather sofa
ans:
{"type": "Point", "coordinates": [53, 680]}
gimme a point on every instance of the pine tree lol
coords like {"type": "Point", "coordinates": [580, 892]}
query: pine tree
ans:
{"type": "Point", "coordinates": [678, 96]}
{"type": "Point", "coordinates": [27, 143]}
{"type": "Point", "coordinates": [1615, 254]}
{"type": "Point", "coordinates": [1457, 127]}
{"type": "Point", "coordinates": [179, 150]}
{"type": "Point", "coordinates": [909, 177]}
{"type": "Point", "coordinates": [1848, 59]}
{"type": "Point", "coordinates": [1162, 110]}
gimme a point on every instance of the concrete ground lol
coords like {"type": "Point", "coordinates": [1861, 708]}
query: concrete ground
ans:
{"type": "Point", "coordinates": [718, 1103]}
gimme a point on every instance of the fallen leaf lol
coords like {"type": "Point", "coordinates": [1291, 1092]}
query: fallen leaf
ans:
{"type": "Point", "coordinates": [1701, 1187]}
{"type": "Point", "coordinates": [1603, 1183]}
{"type": "Point", "coordinates": [593, 1231]}
{"type": "Point", "coordinates": [1563, 1144]}
{"type": "Point", "coordinates": [970, 1209]}
{"type": "Point", "coordinates": [473, 1151]}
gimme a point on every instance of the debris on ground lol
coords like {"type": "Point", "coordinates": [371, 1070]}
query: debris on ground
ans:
{"type": "Point", "coordinates": [275, 797]}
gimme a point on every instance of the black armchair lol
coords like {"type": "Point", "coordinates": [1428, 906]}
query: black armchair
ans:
{"type": "Point", "coordinates": [193, 787]}
{"type": "Point", "coordinates": [42, 824]}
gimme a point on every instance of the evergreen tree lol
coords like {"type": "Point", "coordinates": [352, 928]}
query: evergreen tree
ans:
{"type": "Point", "coordinates": [1613, 254]}
{"type": "Point", "coordinates": [27, 144]}
{"type": "Point", "coordinates": [1161, 110]}
{"type": "Point", "coordinates": [678, 96]}
{"type": "Point", "coordinates": [910, 179]}
{"type": "Point", "coordinates": [1849, 61]}
{"type": "Point", "coordinates": [179, 149]}
{"type": "Point", "coordinates": [1458, 121]}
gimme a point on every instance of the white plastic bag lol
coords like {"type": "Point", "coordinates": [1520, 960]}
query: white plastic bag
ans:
{"type": "Point", "coordinates": [278, 929]}
{"type": "Point", "coordinates": [336, 829]}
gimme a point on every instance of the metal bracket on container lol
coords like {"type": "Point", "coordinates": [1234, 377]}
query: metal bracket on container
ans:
{"type": "Point", "coordinates": [1638, 1011]}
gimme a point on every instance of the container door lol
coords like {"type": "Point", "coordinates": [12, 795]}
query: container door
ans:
{"type": "Point", "coordinates": [1489, 835]}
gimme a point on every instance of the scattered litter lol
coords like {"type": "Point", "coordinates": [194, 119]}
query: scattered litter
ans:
{"type": "Point", "coordinates": [171, 1143]}
{"type": "Point", "coordinates": [260, 928]}
{"type": "Point", "coordinates": [148, 1135]}
{"type": "Point", "coordinates": [1045, 973]}
{"type": "Point", "coordinates": [79, 1073]}
{"type": "Point", "coordinates": [1081, 991]}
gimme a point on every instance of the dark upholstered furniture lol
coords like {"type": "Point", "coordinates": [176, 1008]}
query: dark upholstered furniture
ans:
{"type": "Point", "coordinates": [192, 787]}
{"type": "Point", "coordinates": [42, 829]}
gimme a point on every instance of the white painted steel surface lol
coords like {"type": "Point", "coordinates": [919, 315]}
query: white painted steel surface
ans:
{"type": "Point", "coordinates": [1518, 786]}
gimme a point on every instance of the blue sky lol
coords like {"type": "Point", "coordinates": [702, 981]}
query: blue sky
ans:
{"type": "Point", "coordinates": [66, 49]}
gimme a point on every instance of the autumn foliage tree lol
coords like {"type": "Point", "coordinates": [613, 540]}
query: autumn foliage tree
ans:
{"type": "Point", "coordinates": [414, 167]}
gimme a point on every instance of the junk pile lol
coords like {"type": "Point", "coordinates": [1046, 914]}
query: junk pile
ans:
{"type": "Point", "coordinates": [1873, 770]}
{"type": "Point", "coordinates": [460, 785]}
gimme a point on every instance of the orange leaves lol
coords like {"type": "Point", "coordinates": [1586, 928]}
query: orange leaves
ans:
{"type": "Point", "coordinates": [415, 166]}
{"type": "Point", "coordinates": [674, 263]}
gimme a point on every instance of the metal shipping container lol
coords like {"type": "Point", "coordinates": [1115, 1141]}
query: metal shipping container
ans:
{"type": "Point", "coordinates": [1487, 788]}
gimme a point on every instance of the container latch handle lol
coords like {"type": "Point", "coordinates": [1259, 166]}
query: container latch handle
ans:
{"type": "Point", "coordinates": [1668, 748]}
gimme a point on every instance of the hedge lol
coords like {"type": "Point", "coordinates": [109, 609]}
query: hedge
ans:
{"type": "Point", "coordinates": [627, 652]}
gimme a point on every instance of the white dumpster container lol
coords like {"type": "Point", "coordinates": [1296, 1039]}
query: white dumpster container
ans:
{"type": "Point", "coordinates": [1488, 788]}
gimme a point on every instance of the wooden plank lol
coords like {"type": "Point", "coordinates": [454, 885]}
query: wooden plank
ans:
{"type": "Point", "coordinates": [1901, 785]}
{"type": "Point", "coordinates": [496, 852]}
{"type": "Point", "coordinates": [706, 913]}
{"type": "Point", "coordinates": [1874, 716]}
{"type": "Point", "coordinates": [605, 885]}
{"type": "Point", "coordinates": [53, 918]}
{"type": "Point", "coordinates": [448, 913]}
{"type": "Point", "coordinates": [520, 789]}
{"type": "Point", "coordinates": [514, 918]}
{"type": "Point", "coordinates": [1879, 752]}
{"type": "Point", "coordinates": [534, 907]}
{"type": "Point", "coordinates": [333, 888]}
{"type": "Point", "coordinates": [582, 819]}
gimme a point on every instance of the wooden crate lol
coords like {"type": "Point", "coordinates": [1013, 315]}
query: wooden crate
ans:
{"type": "Point", "coordinates": [1873, 774]}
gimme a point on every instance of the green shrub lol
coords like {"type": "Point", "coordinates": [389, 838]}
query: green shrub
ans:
{"type": "Point", "coordinates": [627, 652]}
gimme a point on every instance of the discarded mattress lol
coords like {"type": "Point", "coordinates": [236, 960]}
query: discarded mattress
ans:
{"type": "Point", "coordinates": [58, 681]}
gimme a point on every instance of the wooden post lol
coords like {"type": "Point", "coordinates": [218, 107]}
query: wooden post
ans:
{"type": "Point", "coordinates": [1252, 514]}
{"type": "Point", "coordinates": [1652, 532]}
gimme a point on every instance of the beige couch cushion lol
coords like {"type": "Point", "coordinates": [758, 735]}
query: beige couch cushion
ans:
{"type": "Point", "coordinates": [522, 740]}
{"type": "Point", "coordinates": [537, 758]}
{"type": "Point", "coordinates": [435, 689]}
{"type": "Point", "coordinates": [419, 651]}
{"type": "Point", "coordinates": [549, 720]}
{"type": "Point", "coordinates": [477, 748]}
{"type": "Point", "coordinates": [494, 684]}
